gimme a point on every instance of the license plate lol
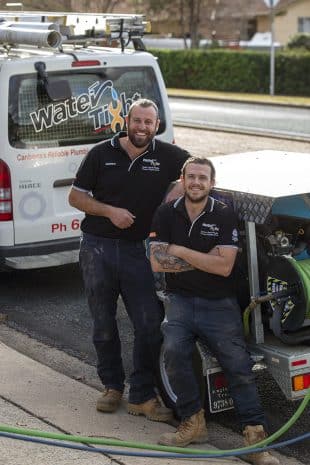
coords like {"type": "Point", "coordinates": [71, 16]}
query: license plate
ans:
{"type": "Point", "coordinates": [219, 398]}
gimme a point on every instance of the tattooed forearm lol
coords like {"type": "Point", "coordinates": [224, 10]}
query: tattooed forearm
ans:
{"type": "Point", "coordinates": [169, 262]}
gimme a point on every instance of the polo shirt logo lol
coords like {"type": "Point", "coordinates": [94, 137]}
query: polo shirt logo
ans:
{"type": "Point", "coordinates": [211, 230]}
{"type": "Point", "coordinates": [150, 164]}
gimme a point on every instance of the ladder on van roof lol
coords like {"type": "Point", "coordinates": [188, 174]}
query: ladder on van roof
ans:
{"type": "Point", "coordinates": [73, 28]}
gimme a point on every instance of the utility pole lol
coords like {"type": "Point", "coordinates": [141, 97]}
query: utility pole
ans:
{"type": "Point", "coordinates": [271, 5]}
{"type": "Point", "coordinates": [272, 54]}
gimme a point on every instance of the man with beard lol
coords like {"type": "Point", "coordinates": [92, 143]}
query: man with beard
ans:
{"type": "Point", "coordinates": [119, 185]}
{"type": "Point", "coordinates": [194, 240]}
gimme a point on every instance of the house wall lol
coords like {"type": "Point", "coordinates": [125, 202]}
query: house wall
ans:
{"type": "Point", "coordinates": [286, 25]}
{"type": "Point", "coordinates": [225, 25]}
{"type": "Point", "coordinates": [286, 22]}
{"type": "Point", "coordinates": [263, 24]}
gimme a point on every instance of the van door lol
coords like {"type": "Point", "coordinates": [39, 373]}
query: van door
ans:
{"type": "Point", "coordinates": [47, 139]}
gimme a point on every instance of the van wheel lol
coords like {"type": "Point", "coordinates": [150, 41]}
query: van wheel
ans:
{"type": "Point", "coordinates": [164, 386]}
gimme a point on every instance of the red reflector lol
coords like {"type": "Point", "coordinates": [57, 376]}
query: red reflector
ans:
{"type": "Point", "coordinates": [80, 63]}
{"type": "Point", "coordinates": [299, 362]}
{"type": "Point", "coordinates": [220, 381]}
{"type": "Point", "coordinates": [307, 381]}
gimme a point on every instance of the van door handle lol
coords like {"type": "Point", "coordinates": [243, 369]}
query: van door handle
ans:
{"type": "Point", "coordinates": [63, 182]}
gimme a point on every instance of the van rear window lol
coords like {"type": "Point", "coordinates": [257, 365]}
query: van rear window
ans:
{"type": "Point", "coordinates": [96, 110]}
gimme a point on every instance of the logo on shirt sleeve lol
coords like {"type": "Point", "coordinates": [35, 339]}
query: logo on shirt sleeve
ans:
{"type": "Point", "coordinates": [234, 236]}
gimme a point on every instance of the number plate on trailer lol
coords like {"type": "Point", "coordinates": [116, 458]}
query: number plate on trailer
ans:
{"type": "Point", "coordinates": [219, 398]}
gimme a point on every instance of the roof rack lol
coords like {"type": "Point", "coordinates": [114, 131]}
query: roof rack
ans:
{"type": "Point", "coordinates": [53, 29]}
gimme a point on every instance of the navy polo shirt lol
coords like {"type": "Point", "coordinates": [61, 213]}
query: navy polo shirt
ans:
{"type": "Point", "coordinates": [216, 225]}
{"type": "Point", "coordinates": [137, 185]}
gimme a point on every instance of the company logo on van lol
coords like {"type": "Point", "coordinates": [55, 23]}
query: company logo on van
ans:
{"type": "Point", "coordinates": [109, 114]}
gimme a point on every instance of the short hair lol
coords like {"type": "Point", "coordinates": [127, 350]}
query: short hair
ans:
{"type": "Point", "coordinates": [144, 103]}
{"type": "Point", "coordinates": [199, 161]}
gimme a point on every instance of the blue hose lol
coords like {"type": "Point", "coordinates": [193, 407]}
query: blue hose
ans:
{"type": "Point", "coordinates": [159, 455]}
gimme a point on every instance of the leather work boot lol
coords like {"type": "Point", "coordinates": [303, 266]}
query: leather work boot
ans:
{"type": "Point", "coordinates": [109, 400]}
{"type": "Point", "coordinates": [151, 409]}
{"type": "Point", "coordinates": [192, 430]}
{"type": "Point", "coordinates": [253, 435]}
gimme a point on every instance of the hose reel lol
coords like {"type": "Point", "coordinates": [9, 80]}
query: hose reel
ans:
{"type": "Point", "coordinates": [290, 319]}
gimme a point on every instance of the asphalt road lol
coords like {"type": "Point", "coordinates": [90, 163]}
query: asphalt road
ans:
{"type": "Point", "coordinates": [245, 117]}
{"type": "Point", "coordinates": [49, 304]}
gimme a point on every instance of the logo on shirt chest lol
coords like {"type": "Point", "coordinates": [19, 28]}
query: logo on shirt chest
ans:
{"type": "Point", "coordinates": [211, 230]}
{"type": "Point", "coordinates": [150, 164]}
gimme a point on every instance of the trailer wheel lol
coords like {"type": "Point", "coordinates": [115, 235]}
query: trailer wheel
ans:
{"type": "Point", "coordinates": [164, 386]}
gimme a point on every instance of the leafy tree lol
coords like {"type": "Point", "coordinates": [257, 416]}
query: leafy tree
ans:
{"type": "Point", "coordinates": [301, 40]}
{"type": "Point", "coordinates": [187, 13]}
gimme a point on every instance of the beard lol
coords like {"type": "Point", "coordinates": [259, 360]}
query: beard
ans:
{"type": "Point", "coordinates": [139, 141]}
{"type": "Point", "coordinates": [201, 198]}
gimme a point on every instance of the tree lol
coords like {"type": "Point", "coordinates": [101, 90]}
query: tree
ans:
{"type": "Point", "coordinates": [187, 13]}
{"type": "Point", "coordinates": [90, 6]}
{"type": "Point", "coordinates": [98, 6]}
{"type": "Point", "coordinates": [301, 40]}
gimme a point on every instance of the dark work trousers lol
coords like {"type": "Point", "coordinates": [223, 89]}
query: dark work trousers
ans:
{"type": "Point", "coordinates": [216, 322]}
{"type": "Point", "coordinates": [113, 267]}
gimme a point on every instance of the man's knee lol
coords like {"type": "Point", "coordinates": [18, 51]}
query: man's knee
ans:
{"type": "Point", "coordinates": [174, 352]}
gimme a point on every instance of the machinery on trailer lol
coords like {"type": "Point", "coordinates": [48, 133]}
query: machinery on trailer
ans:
{"type": "Point", "coordinates": [269, 190]}
{"type": "Point", "coordinates": [66, 82]}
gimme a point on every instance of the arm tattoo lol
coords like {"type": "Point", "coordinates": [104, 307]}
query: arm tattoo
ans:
{"type": "Point", "coordinates": [167, 261]}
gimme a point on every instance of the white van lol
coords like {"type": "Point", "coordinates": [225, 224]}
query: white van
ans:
{"type": "Point", "coordinates": [62, 91]}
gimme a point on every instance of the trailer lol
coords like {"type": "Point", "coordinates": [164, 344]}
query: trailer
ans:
{"type": "Point", "coordinates": [270, 193]}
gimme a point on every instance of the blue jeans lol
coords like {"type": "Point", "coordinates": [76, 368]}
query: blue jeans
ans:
{"type": "Point", "coordinates": [216, 322]}
{"type": "Point", "coordinates": [113, 267]}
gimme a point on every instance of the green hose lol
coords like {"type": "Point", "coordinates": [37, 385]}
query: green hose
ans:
{"type": "Point", "coordinates": [140, 445]}
{"type": "Point", "coordinates": [303, 269]}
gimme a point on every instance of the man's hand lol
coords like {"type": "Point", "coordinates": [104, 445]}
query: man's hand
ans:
{"type": "Point", "coordinates": [175, 192]}
{"type": "Point", "coordinates": [120, 217]}
{"type": "Point", "coordinates": [220, 260]}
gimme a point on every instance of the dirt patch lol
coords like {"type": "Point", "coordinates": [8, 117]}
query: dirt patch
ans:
{"type": "Point", "coordinates": [212, 143]}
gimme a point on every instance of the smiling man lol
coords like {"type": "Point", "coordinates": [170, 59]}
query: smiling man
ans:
{"type": "Point", "coordinates": [119, 185]}
{"type": "Point", "coordinates": [194, 240]}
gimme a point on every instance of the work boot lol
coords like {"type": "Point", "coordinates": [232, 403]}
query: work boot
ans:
{"type": "Point", "coordinates": [253, 435]}
{"type": "Point", "coordinates": [109, 400]}
{"type": "Point", "coordinates": [192, 430]}
{"type": "Point", "coordinates": [151, 409]}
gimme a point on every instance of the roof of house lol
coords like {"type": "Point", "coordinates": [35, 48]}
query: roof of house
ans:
{"type": "Point", "coordinates": [258, 7]}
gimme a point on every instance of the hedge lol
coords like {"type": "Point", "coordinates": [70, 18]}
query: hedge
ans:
{"type": "Point", "coordinates": [235, 70]}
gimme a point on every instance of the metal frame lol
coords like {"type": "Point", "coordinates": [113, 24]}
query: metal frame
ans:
{"type": "Point", "coordinates": [78, 29]}
{"type": "Point", "coordinates": [256, 324]}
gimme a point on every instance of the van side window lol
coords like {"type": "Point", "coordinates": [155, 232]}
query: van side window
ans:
{"type": "Point", "coordinates": [96, 110]}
